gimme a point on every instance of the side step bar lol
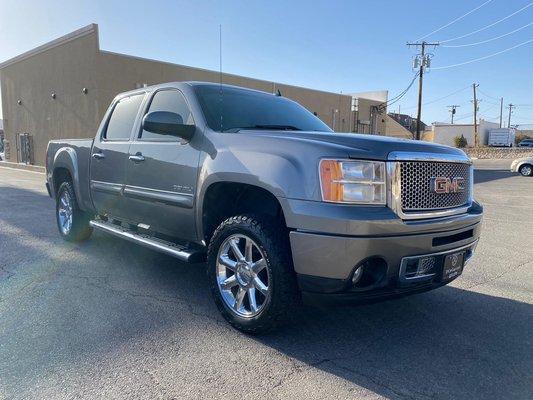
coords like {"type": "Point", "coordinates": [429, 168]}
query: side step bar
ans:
{"type": "Point", "coordinates": [181, 252]}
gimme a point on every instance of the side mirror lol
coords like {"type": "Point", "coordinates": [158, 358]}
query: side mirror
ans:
{"type": "Point", "coordinates": [167, 123]}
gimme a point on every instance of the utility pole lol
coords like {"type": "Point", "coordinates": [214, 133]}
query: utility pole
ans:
{"type": "Point", "coordinates": [453, 108]}
{"type": "Point", "coordinates": [422, 61]}
{"type": "Point", "coordinates": [474, 86]}
{"type": "Point", "coordinates": [511, 106]}
{"type": "Point", "coordinates": [501, 111]}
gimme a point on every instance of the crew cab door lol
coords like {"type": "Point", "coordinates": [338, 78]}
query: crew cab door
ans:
{"type": "Point", "coordinates": [109, 157]}
{"type": "Point", "coordinates": [162, 173]}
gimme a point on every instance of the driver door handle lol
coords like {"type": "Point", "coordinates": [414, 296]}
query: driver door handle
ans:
{"type": "Point", "coordinates": [98, 156]}
{"type": "Point", "coordinates": [137, 158]}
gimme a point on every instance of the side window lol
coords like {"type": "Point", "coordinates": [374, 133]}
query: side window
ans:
{"type": "Point", "coordinates": [122, 118]}
{"type": "Point", "coordinates": [168, 100]}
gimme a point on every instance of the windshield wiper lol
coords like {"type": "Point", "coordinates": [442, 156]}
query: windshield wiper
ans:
{"type": "Point", "coordinates": [265, 127]}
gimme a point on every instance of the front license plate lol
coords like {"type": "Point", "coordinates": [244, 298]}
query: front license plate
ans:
{"type": "Point", "coordinates": [453, 265]}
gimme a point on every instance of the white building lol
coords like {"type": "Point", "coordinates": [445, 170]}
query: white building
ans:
{"type": "Point", "coordinates": [445, 133]}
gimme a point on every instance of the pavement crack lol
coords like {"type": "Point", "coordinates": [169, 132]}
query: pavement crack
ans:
{"type": "Point", "coordinates": [377, 382]}
{"type": "Point", "coordinates": [508, 271]}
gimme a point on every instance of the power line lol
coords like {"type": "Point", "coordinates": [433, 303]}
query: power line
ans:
{"type": "Point", "coordinates": [468, 115]}
{"type": "Point", "coordinates": [464, 116]}
{"type": "Point", "coordinates": [487, 26]}
{"type": "Point", "coordinates": [441, 98]}
{"type": "Point", "coordinates": [484, 58]}
{"type": "Point", "coordinates": [454, 21]}
{"type": "Point", "coordinates": [396, 98]}
{"type": "Point", "coordinates": [488, 95]}
{"type": "Point", "coordinates": [488, 40]}
{"type": "Point", "coordinates": [491, 102]}
{"type": "Point", "coordinates": [399, 96]}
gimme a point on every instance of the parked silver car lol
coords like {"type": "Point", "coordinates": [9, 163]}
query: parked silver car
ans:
{"type": "Point", "coordinates": [523, 165]}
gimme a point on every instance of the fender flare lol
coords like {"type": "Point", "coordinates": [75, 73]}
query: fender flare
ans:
{"type": "Point", "coordinates": [67, 158]}
{"type": "Point", "coordinates": [229, 178]}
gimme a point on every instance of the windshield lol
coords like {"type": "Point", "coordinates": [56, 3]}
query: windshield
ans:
{"type": "Point", "coordinates": [237, 109]}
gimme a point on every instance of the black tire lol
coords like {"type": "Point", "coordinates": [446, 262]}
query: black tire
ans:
{"type": "Point", "coordinates": [272, 240]}
{"type": "Point", "coordinates": [526, 170]}
{"type": "Point", "coordinates": [80, 229]}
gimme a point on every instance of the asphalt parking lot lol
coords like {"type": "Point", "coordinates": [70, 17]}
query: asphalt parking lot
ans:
{"type": "Point", "coordinates": [108, 319]}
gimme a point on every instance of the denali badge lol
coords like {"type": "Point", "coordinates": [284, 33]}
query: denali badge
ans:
{"type": "Point", "coordinates": [442, 184]}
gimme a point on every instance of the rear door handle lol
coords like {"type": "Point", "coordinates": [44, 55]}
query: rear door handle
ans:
{"type": "Point", "coordinates": [137, 158]}
{"type": "Point", "coordinates": [98, 156]}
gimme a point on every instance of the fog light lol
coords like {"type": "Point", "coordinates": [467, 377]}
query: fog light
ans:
{"type": "Point", "coordinates": [357, 274]}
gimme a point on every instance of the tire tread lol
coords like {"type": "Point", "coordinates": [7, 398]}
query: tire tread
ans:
{"type": "Point", "coordinates": [285, 296]}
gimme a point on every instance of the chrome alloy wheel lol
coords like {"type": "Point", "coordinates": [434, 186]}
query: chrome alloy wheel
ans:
{"type": "Point", "coordinates": [242, 276]}
{"type": "Point", "coordinates": [64, 213]}
{"type": "Point", "coordinates": [526, 170]}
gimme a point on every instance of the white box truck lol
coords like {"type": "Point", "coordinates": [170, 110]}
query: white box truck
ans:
{"type": "Point", "coordinates": [502, 137]}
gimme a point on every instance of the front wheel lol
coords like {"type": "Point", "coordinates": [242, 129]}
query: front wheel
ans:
{"type": "Point", "coordinates": [526, 170]}
{"type": "Point", "coordinates": [73, 223]}
{"type": "Point", "coordinates": [250, 273]}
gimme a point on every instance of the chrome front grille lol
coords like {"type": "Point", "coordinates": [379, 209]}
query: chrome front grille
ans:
{"type": "Point", "coordinates": [415, 183]}
{"type": "Point", "coordinates": [412, 191]}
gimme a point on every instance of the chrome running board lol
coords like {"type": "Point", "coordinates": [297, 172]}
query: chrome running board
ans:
{"type": "Point", "coordinates": [173, 249]}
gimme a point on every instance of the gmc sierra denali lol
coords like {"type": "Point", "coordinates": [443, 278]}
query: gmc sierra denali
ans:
{"type": "Point", "coordinates": [262, 189]}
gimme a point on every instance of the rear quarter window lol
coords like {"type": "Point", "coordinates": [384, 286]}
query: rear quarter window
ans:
{"type": "Point", "coordinates": [123, 118]}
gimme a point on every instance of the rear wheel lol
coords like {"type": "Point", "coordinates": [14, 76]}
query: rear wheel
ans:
{"type": "Point", "coordinates": [73, 223]}
{"type": "Point", "coordinates": [526, 170]}
{"type": "Point", "coordinates": [250, 273]}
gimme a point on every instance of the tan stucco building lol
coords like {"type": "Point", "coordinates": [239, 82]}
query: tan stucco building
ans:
{"type": "Point", "coordinates": [62, 89]}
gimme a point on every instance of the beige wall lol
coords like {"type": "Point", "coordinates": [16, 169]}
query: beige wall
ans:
{"type": "Point", "coordinates": [71, 63]}
{"type": "Point", "coordinates": [369, 111]}
{"type": "Point", "coordinates": [118, 72]}
{"type": "Point", "coordinates": [64, 70]}
{"type": "Point", "coordinates": [396, 129]}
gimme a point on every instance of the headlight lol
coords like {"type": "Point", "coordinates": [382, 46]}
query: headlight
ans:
{"type": "Point", "coordinates": [356, 182]}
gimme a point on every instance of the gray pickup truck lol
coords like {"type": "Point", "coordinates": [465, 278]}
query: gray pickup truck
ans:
{"type": "Point", "coordinates": [277, 203]}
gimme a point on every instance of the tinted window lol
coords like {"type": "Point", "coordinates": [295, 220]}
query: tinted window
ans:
{"type": "Point", "coordinates": [123, 117]}
{"type": "Point", "coordinates": [235, 108]}
{"type": "Point", "coordinates": [168, 100]}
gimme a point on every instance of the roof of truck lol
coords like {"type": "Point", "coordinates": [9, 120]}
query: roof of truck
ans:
{"type": "Point", "coordinates": [189, 83]}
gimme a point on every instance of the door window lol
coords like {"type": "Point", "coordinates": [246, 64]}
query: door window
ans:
{"type": "Point", "coordinates": [123, 118]}
{"type": "Point", "coordinates": [168, 100]}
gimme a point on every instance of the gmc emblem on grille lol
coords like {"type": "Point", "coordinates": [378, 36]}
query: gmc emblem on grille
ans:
{"type": "Point", "coordinates": [441, 185]}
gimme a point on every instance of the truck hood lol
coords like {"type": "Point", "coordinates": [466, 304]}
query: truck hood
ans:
{"type": "Point", "coordinates": [358, 145]}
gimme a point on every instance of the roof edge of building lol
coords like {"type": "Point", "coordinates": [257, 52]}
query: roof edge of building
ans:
{"type": "Point", "coordinates": [93, 28]}
{"type": "Point", "coordinates": [217, 72]}
{"type": "Point", "coordinates": [86, 30]}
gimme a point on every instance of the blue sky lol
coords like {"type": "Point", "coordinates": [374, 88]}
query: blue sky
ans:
{"type": "Point", "coordinates": [347, 46]}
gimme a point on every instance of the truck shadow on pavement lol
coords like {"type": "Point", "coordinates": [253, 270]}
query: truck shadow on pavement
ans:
{"type": "Point", "coordinates": [449, 343]}
{"type": "Point", "coordinates": [488, 175]}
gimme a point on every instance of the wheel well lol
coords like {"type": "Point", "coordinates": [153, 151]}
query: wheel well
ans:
{"type": "Point", "coordinates": [60, 175]}
{"type": "Point", "coordinates": [226, 199]}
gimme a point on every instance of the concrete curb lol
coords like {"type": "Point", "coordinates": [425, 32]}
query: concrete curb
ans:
{"type": "Point", "coordinates": [25, 167]}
